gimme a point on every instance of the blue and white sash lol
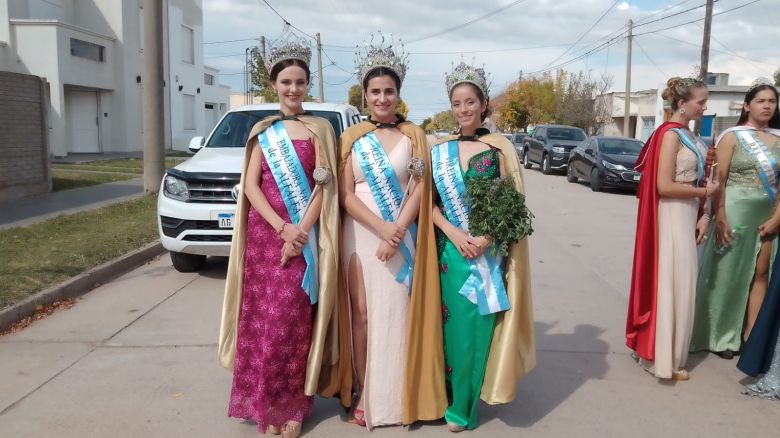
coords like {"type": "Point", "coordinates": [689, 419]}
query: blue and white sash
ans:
{"type": "Point", "coordinates": [485, 285]}
{"type": "Point", "coordinates": [697, 147]}
{"type": "Point", "coordinates": [290, 177]}
{"type": "Point", "coordinates": [766, 165]}
{"type": "Point", "coordinates": [387, 193]}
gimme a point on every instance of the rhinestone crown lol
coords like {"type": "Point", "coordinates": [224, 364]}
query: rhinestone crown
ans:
{"type": "Point", "coordinates": [288, 47]}
{"type": "Point", "coordinates": [372, 56]}
{"type": "Point", "coordinates": [467, 73]}
{"type": "Point", "coordinates": [760, 82]}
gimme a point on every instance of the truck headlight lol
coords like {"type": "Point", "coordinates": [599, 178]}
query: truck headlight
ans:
{"type": "Point", "coordinates": [611, 166]}
{"type": "Point", "coordinates": [559, 149]}
{"type": "Point", "coordinates": [176, 188]}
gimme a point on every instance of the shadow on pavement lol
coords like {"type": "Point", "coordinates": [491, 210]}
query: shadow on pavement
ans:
{"type": "Point", "coordinates": [558, 375]}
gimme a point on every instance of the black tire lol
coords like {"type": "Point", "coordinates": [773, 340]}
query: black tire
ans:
{"type": "Point", "coordinates": [526, 162]}
{"type": "Point", "coordinates": [570, 176]}
{"type": "Point", "coordinates": [187, 262]}
{"type": "Point", "coordinates": [595, 182]}
{"type": "Point", "coordinates": [546, 169]}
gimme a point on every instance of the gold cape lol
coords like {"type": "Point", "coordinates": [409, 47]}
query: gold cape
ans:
{"type": "Point", "coordinates": [323, 363]}
{"type": "Point", "coordinates": [512, 352]}
{"type": "Point", "coordinates": [424, 393]}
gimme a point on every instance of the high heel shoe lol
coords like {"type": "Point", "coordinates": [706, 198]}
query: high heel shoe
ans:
{"type": "Point", "coordinates": [273, 430]}
{"type": "Point", "coordinates": [358, 417]}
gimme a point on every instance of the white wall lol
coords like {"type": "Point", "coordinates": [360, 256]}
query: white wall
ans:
{"type": "Point", "coordinates": [43, 49]}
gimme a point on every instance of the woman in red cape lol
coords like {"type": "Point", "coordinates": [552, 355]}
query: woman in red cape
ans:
{"type": "Point", "coordinates": [671, 163]}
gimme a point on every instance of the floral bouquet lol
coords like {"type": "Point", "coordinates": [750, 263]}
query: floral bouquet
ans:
{"type": "Point", "coordinates": [498, 211]}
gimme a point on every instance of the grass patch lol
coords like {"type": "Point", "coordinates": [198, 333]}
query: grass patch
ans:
{"type": "Point", "coordinates": [42, 255]}
{"type": "Point", "coordinates": [126, 164]}
{"type": "Point", "coordinates": [64, 179]}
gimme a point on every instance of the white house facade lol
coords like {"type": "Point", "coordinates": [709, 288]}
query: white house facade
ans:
{"type": "Point", "coordinates": [647, 109]}
{"type": "Point", "coordinates": [91, 54]}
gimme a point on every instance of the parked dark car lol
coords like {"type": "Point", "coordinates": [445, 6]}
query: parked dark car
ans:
{"type": "Point", "coordinates": [517, 141]}
{"type": "Point", "coordinates": [549, 146]}
{"type": "Point", "coordinates": [605, 162]}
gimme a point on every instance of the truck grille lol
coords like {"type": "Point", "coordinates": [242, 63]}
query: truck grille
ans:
{"type": "Point", "coordinates": [208, 238]}
{"type": "Point", "coordinates": [211, 191]}
{"type": "Point", "coordinates": [172, 227]}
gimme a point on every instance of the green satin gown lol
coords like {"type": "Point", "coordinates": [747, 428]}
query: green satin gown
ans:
{"type": "Point", "coordinates": [467, 334]}
{"type": "Point", "coordinates": [724, 279]}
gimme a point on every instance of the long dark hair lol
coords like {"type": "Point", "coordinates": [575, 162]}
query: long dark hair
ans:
{"type": "Point", "coordinates": [774, 122]}
{"type": "Point", "coordinates": [274, 73]}
{"type": "Point", "coordinates": [382, 71]}
{"type": "Point", "coordinates": [480, 95]}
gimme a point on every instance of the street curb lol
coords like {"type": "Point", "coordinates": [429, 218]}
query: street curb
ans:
{"type": "Point", "coordinates": [80, 284]}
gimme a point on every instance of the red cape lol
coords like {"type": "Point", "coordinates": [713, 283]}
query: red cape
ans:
{"type": "Point", "coordinates": [640, 324]}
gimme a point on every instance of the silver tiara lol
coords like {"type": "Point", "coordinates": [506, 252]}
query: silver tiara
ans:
{"type": "Point", "coordinates": [372, 56]}
{"type": "Point", "coordinates": [759, 82]}
{"type": "Point", "coordinates": [467, 73]}
{"type": "Point", "coordinates": [288, 46]}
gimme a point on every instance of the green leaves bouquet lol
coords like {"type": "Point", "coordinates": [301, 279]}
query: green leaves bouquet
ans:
{"type": "Point", "coordinates": [498, 211]}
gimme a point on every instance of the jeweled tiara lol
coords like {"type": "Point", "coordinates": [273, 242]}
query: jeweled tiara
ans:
{"type": "Point", "coordinates": [467, 73]}
{"type": "Point", "coordinates": [287, 46]}
{"type": "Point", "coordinates": [381, 54]}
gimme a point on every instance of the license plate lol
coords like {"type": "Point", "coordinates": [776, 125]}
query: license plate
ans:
{"type": "Point", "coordinates": [636, 177]}
{"type": "Point", "coordinates": [225, 220]}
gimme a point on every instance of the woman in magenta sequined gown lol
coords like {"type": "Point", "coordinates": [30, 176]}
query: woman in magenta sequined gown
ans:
{"type": "Point", "coordinates": [274, 328]}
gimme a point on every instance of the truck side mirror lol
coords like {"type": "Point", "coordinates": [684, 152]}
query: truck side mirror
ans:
{"type": "Point", "coordinates": [196, 143]}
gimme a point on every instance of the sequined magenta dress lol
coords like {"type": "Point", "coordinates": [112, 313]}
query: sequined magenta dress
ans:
{"type": "Point", "coordinates": [274, 328]}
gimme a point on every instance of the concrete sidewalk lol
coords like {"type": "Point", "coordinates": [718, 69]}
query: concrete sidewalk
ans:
{"type": "Point", "coordinates": [27, 211]}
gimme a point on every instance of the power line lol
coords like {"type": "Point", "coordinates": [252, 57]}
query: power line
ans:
{"type": "Point", "coordinates": [649, 58]}
{"type": "Point", "coordinates": [661, 11]}
{"type": "Point", "coordinates": [285, 20]}
{"type": "Point", "coordinates": [675, 14]}
{"type": "Point", "coordinates": [698, 19]}
{"type": "Point", "coordinates": [230, 41]}
{"type": "Point", "coordinates": [585, 33]}
{"type": "Point", "coordinates": [467, 23]}
{"type": "Point", "coordinates": [614, 40]}
{"type": "Point", "coordinates": [732, 53]}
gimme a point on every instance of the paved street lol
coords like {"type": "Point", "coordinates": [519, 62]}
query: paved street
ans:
{"type": "Point", "coordinates": [137, 357]}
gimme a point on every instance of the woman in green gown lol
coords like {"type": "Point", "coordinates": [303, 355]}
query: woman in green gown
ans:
{"type": "Point", "coordinates": [476, 354]}
{"type": "Point", "coordinates": [735, 267]}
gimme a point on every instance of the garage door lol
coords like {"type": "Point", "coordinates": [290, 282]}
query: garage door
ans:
{"type": "Point", "coordinates": [82, 118]}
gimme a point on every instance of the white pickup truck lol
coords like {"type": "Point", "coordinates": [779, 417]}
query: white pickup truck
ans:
{"type": "Point", "coordinates": [196, 203]}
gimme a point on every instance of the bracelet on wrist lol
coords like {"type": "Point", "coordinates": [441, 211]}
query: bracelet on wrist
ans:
{"type": "Point", "coordinates": [281, 229]}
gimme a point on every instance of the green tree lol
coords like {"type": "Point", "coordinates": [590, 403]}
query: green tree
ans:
{"type": "Point", "coordinates": [425, 123]}
{"type": "Point", "coordinates": [777, 78]}
{"type": "Point", "coordinates": [355, 97]}
{"type": "Point", "coordinates": [260, 80]}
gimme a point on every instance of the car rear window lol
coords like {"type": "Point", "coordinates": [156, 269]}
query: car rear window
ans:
{"type": "Point", "coordinates": [234, 129]}
{"type": "Point", "coordinates": [565, 134]}
{"type": "Point", "coordinates": [620, 147]}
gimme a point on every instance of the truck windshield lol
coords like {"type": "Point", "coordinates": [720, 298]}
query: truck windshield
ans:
{"type": "Point", "coordinates": [234, 129]}
{"type": "Point", "coordinates": [565, 134]}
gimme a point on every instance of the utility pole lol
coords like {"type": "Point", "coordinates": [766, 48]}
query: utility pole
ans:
{"type": "Point", "coordinates": [319, 67]}
{"type": "Point", "coordinates": [627, 112]}
{"type": "Point", "coordinates": [705, 54]}
{"type": "Point", "coordinates": [154, 118]}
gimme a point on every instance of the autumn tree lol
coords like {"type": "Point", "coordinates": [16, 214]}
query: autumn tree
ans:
{"type": "Point", "coordinates": [442, 121]}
